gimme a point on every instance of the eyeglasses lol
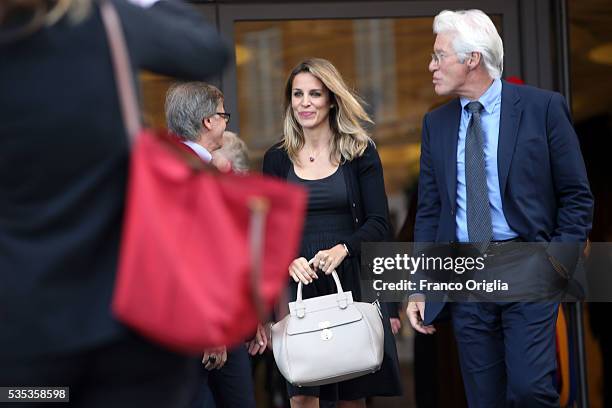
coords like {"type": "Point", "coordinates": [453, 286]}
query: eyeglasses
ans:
{"type": "Point", "coordinates": [438, 57]}
{"type": "Point", "coordinates": [225, 115]}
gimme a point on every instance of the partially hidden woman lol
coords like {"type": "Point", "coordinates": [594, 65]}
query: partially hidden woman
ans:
{"type": "Point", "coordinates": [326, 149]}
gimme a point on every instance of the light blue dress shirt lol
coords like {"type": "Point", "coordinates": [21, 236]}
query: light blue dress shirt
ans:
{"type": "Point", "coordinates": [490, 117]}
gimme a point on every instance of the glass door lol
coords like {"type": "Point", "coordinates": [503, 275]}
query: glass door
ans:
{"type": "Point", "coordinates": [381, 48]}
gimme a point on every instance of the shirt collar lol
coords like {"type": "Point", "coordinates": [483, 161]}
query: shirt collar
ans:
{"type": "Point", "coordinates": [489, 98]}
{"type": "Point", "coordinates": [144, 3]}
{"type": "Point", "coordinates": [199, 150]}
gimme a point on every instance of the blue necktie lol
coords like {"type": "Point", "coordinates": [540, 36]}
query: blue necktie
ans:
{"type": "Point", "coordinates": [480, 229]}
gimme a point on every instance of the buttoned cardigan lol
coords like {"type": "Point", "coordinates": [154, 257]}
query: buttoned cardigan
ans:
{"type": "Point", "coordinates": [366, 193]}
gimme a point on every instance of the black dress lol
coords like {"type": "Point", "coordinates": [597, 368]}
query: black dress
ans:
{"type": "Point", "coordinates": [328, 222]}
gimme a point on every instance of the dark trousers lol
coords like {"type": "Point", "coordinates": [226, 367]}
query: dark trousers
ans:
{"type": "Point", "coordinates": [507, 353]}
{"type": "Point", "coordinates": [229, 387]}
{"type": "Point", "coordinates": [125, 373]}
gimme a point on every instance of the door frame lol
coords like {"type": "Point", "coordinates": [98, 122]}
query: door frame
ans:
{"type": "Point", "coordinates": [527, 49]}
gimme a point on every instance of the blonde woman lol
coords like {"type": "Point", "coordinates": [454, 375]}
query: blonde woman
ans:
{"type": "Point", "coordinates": [326, 149]}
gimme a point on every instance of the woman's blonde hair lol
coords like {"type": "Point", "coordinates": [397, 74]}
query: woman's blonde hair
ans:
{"type": "Point", "coordinates": [346, 116]}
{"type": "Point", "coordinates": [20, 18]}
{"type": "Point", "coordinates": [236, 151]}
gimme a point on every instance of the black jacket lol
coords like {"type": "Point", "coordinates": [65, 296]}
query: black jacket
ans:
{"type": "Point", "coordinates": [366, 193]}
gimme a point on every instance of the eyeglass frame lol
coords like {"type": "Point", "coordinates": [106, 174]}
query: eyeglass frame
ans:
{"type": "Point", "coordinates": [225, 115]}
{"type": "Point", "coordinates": [437, 57]}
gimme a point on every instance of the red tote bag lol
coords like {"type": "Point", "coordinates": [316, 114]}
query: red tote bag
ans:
{"type": "Point", "coordinates": [203, 255]}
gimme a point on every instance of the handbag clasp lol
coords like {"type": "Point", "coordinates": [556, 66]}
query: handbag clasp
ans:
{"type": "Point", "coordinates": [326, 334]}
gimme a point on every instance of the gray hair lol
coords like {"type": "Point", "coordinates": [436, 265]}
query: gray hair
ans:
{"type": "Point", "coordinates": [474, 32]}
{"type": "Point", "coordinates": [235, 150]}
{"type": "Point", "coordinates": [187, 105]}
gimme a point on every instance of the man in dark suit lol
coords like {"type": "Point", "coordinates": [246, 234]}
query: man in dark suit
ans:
{"type": "Point", "coordinates": [500, 163]}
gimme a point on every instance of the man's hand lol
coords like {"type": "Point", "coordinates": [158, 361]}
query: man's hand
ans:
{"type": "Point", "coordinates": [396, 324]}
{"type": "Point", "coordinates": [214, 358]}
{"type": "Point", "coordinates": [416, 313]}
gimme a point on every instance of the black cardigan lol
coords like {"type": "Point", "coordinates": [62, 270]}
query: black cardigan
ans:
{"type": "Point", "coordinates": [366, 192]}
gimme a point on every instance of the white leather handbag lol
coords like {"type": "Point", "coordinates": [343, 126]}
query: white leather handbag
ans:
{"type": "Point", "coordinates": [328, 339]}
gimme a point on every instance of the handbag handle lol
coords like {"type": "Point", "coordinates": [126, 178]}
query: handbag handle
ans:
{"type": "Point", "coordinates": [341, 296]}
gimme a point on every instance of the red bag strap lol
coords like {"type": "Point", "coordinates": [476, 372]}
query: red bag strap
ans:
{"type": "Point", "coordinates": [130, 109]}
{"type": "Point", "coordinates": [259, 207]}
{"type": "Point", "coordinates": [122, 69]}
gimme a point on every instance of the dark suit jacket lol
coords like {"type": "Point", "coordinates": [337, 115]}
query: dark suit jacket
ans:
{"type": "Point", "coordinates": [542, 178]}
{"type": "Point", "coordinates": [63, 169]}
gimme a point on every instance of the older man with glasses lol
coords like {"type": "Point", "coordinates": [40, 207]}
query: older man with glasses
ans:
{"type": "Point", "coordinates": [195, 113]}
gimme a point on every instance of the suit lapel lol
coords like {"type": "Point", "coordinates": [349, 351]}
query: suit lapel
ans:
{"type": "Point", "coordinates": [451, 138]}
{"type": "Point", "coordinates": [510, 118]}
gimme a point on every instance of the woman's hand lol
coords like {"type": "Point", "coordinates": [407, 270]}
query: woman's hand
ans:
{"type": "Point", "coordinates": [300, 271]}
{"type": "Point", "coordinates": [259, 343]}
{"type": "Point", "coordinates": [329, 259]}
{"type": "Point", "coordinates": [221, 162]}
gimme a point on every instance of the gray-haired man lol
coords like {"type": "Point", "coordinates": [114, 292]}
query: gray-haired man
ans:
{"type": "Point", "coordinates": [500, 163]}
{"type": "Point", "coordinates": [195, 113]}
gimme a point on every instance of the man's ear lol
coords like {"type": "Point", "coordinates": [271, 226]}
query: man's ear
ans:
{"type": "Point", "coordinates": [474, 60]}
{"type": "Point", "coordinates": [207, 123]}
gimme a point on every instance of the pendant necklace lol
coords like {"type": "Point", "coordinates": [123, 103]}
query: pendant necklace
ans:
{"type": "Point", "coordinates": [313, 156]}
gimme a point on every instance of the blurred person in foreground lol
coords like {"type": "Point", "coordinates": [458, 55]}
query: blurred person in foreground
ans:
{"type": "Point", "coordinates": [326, 149]}
{"type": "Point", "coordinates": [196, 115]}
{"type": "Point", "coordinates": [63, 171]}
{"type": "Point", "coordinates": [500, 163]}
